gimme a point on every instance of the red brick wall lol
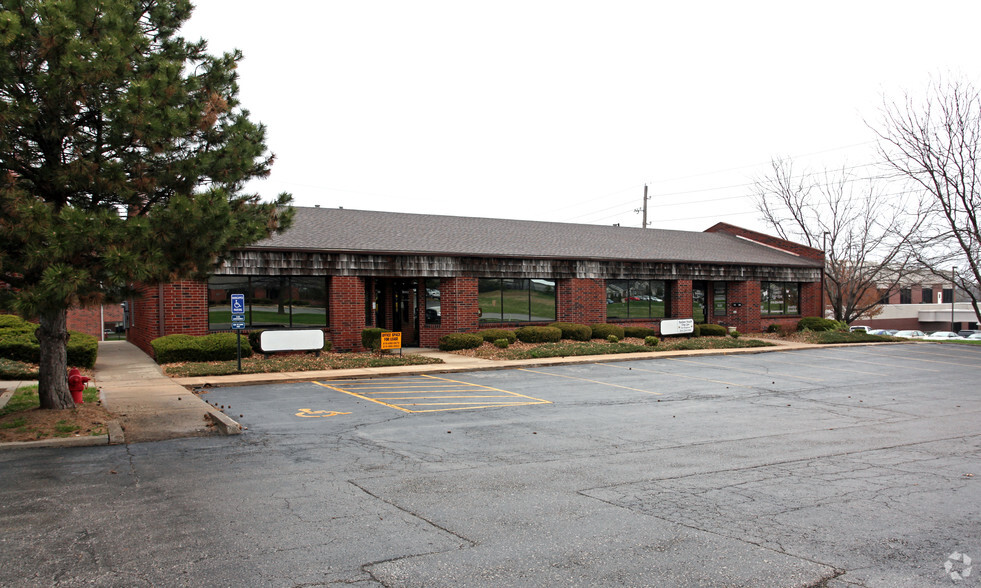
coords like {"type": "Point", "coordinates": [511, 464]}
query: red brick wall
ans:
{"type": "Point", "coordinates": [86, 320]}
{"type": "Point", "coordinates": [810, 299]}
{"type": "Point", "coordinates": [581, 300]}
{"type": "Point", "coordinates": [745, 318]}
{"type": "Point", "coordinates": [458, 309]}
{"type": "Point", "coordinates": [679, 293]}
{"type": "Point", "coordinates": [185, 311]}
{"type": "Point", "coordinates": [346, 308]}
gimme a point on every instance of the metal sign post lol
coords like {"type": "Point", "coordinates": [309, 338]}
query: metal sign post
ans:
{"type": "Point", "coordinates": [238, 323]}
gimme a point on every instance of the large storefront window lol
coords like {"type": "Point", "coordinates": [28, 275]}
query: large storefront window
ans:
{"type": "Point", "coordinates": [719, 305]}
{"type": "Point", "coordinates": [779, 298]}
{"type": "Point", "coordinates": [270, 301]}
{"type": "Point", "coordinates": [433, 310]}
{"type": "Point", "coordinates": [504, 300]}
{"type": "Point", "coordinates": [636, 299]}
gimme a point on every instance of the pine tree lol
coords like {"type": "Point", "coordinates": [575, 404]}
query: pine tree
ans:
{"type": "Point", "coordinates": [124, 154]}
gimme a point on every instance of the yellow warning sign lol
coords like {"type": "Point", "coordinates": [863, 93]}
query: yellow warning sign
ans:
{"type": "Point", "coordinates": [391, 340]}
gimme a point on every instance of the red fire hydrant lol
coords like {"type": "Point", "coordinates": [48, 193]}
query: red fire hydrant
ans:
{"type": "Point", "coordinates": [76, 383]}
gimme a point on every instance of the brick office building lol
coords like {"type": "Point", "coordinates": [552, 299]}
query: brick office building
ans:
{"type": "Point", "coordinates": [427, 275]}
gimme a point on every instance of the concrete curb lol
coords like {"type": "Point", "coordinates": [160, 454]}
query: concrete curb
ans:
{"type": "Point", "coordinates": [223, 423]}
{"type": "Point", "coordinates": [59, 442]}
{"type": "Point", "coordinates": [479, 365]}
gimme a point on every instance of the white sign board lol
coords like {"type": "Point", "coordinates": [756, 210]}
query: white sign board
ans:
{"type": "Point", "coordinates": [678, 327]}
{"type": "Point", "coordinates": [299, 340]}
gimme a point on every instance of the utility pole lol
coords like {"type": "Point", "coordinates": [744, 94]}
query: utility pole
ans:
{"type": "Point", "coordinates": [644, 209]}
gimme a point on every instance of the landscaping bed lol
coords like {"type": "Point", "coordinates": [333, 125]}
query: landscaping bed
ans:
{"type": "Point", "coordinates": [22, 420]}
{"type": "Point", "coordinates": [567, 348]}
{"type": "Point", "coordinates": [258, 364]}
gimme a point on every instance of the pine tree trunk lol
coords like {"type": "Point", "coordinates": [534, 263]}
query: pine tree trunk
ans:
{"type": "Point", "coordinates": [52, 336]}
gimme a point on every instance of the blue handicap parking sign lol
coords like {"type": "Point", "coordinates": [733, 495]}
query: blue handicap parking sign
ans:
{"type": "Point", "coordinates": [238, 303]}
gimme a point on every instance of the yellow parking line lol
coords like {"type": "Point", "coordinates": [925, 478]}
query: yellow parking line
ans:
{"type": "Point", "coordinates": [877, 363]}
{"type": "Point", "coordinates": [591, 381]}
{"type": "Point", "coordinates": [754, 372]}
{"type": "Point", "coordinates": [393, 394]}
{"type": "Point", "coordinates": [362, 397]}
{"type": "Point", "coordinates": [824, 367]}
{"type": "Point", "coordinates": [650, 371]}
{"type": "Point", "coordinates": [918, 352]}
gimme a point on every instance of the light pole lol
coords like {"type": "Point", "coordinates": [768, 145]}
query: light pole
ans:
{"type": "Point", "coordinates": [953, 290]}
{"type": "Point", "coordinates": [824, 264]}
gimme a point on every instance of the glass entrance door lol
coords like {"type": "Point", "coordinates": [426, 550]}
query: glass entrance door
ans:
{"type": "Point", "coordinates": [698, 298]}
{"type": "Point", "coordinates": [405, 313]}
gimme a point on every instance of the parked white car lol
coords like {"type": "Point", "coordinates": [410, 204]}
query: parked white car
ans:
{"type": "Point", "coordinates": [910, 334]}
{"type": "Point", "coordinates": [861, 328]}
{"type": "Point", "coordinates": [974, 337]}
{"type": "Point", "coordinates": [943, 336]}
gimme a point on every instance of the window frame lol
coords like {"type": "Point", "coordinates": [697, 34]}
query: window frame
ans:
{"type": "Point", "coordinates": [789, 298]}
{"type": "Point", "coordinates": [292, 286]}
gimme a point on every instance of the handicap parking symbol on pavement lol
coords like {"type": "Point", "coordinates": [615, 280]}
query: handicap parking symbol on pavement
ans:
{"type": "Point", "coordinates": [238, 303]}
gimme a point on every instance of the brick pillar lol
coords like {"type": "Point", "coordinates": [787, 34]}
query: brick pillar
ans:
{"type": "Point", "coordinates": [745, 318]}
{"type": "Point", "coordinates": [458, 310]}
{"type": "Point", "coordinates": [679, 293]}
{"type": "Point", "coordinates": [346, 308]}
{"type": "Point", "coordinates": [810, 299]}
{"type": "Point", "coordinates": [581, 300]}
{"type": "Point", "coordinates": [168, 309]}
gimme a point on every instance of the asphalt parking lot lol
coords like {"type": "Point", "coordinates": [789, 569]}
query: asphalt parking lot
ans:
{"type": "Point", "coordinates": [832, 467]}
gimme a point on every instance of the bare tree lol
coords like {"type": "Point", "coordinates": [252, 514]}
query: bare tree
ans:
{"type": "Point", "coordinates": [933, 145]}
{"type": "Point", "coordinates": [861, 230]}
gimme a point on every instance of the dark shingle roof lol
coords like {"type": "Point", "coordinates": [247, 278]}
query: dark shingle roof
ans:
{"type": "Point", "coordinates": [343, 230]}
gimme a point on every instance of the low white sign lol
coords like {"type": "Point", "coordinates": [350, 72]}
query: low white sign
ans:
{"type": "Point", "coordinates": [678, 327]}
{"type": "Point", "coordinates": [298, 340]}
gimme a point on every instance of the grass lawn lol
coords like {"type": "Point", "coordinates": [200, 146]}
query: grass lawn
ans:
{"type": "Point", "coordinates": [22, 420]}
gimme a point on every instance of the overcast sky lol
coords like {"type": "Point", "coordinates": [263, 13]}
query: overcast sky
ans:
{"type": "Point", "coordinates": [562, 111]}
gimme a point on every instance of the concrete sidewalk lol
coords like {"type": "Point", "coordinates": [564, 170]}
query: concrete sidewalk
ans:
{"type": "Point", "coordinates": [151, 406]}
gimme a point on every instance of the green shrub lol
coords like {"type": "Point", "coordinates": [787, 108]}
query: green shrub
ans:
{"type": "Point", "coordinates": [214, 347]}
{"type": "Point", "coordinates": [11, 321]}
{"type": "Point", "coordinates": [255, 340]}
{"type": "Point", "coordinates": [501, 343]}
{"type": "Point", "coordinates": [82, 350]}
{"type": "Point", "coordinates": [491, 335]}
{"type": "Point", "coordinates": [639, 332]}
{"type": "Point", "coordinates": [734, 334]}
{"type": "Point", "coordinates": [612, 338]}
{"type": "Point", "coordinates": [651, 341]}
{"type": "Point", "coordinates": [455, 341]}
{"type": "Point", "coordinates": [539, 334]}
{"type": "Point", "coordinates": [713, 331]}
{"type": "Point", "coordinates": [604, 330]}
{"type": "Point", "coordinates": [816, 323]}
{"type": "Point", "coordinates": [697, 331]}
{"type": "Point", "coordinates": [574, 331]}
{"type": "Point", "coordinates": [775, 328]}
{"type": "Point", "coordinates": [371, 338]}
{"type": "Point", "coordinates": [20, 344]}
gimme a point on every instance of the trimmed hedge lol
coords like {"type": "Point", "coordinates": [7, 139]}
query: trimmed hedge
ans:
{"type": "Point", "coordinates": [371, 338]}
{"type": "Point", "coordinates": [639, 332]}
{"type": "Point", "coordinates": [604, 330]}
{"type": "Point", "coordinates": [816, 323]}
{"type": "Point", "coordinates": [501, 343]}
{"type": "Point", "coordinates": [214, 347]}
{"type": "Point", "coordinates": [713, 331]}
{"type": "Point", "coordinates": [775, 328]}
{"type": "Point", "coordinates": [455, 341]}
{"type": "Point", "coordinates": [254, 340]}
{"type": "Point", "coordinates": [12, 321]}
{"type": "Point", "coordinates": [539, 334]}
{"type": "Point", "coordinates": [697, 331]}
{"type": "Point", "coordinates": [574, 331]}
{"type": "Point", "coordinates": [651, 341]}
{"type": "Point", "coordinates": [491, 335]}
{"type": "Point", "coordinates": [19, 344]}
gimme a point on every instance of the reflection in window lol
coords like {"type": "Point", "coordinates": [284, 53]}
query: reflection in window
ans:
{"type": "Point", "coordinates": [433, 310]}
{"type": "Point", "coordinates": [719, 304]}
{"type": "Point", "coordinates": [636, 299]}
{"type": "Point", "coordinates": [270, 301]}
{"type": "Point", "coordinates": [777, 298]}
{"type": "Point", "coordinates": [906, 296]}
{"type": "Point", "coordinates": [515, 300]}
